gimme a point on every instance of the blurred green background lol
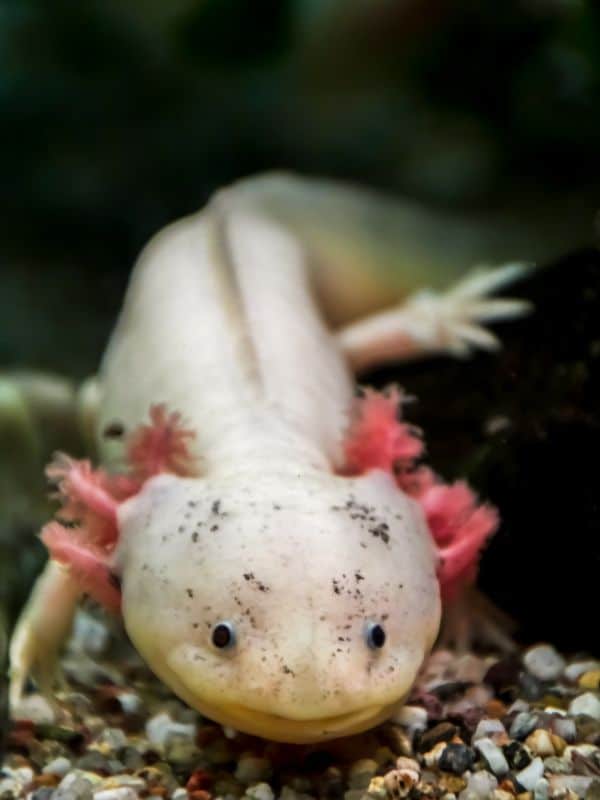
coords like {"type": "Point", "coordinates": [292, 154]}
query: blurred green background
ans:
{"type": "Point", "coordinates": [118, 117]}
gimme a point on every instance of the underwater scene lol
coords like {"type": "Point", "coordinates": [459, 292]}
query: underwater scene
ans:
{"type": "Point", "coordinates": [300, 400]}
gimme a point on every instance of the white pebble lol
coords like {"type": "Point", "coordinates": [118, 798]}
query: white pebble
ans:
{"type": "Point", "coordinates": [565, 728]}
{"type": "Point", "coordinates": [112, 738]}
{"type": "Point", "coordinates": [120, 793]}
{"type": "Point", "coordinates": [574, 671]}
{"type": "Point", "coordinates": [560, 784]}
{"type": "Point", "coordinates": [488, 728]}
{"type": "Point", "coordinates": [59, 766]}
{"type": "Point", "coordinates": [130, 702]}
{"type": "Point", "coordinates": [540, 791]}
{"type": "Point", "coordinates": [36, 708]}
{"type": "Point", "coordinates": [587, 703]}
{"type": "Point", "coordinates": [412, 717]}
{"type": "Point", "coordinates": [532, 773]}
{"type": "Point", "coordinates": [179, 794]}
{"type": "Point", "coordinates": [479, 786]}
{"type": "Point", "coordinates": [260, 791]}
{"type": "Point", "coordinates": [493, 756]}
{"type": "Point", "coordinates": [161, 728]}
{"type": "Point", "coordinates": [544, 662]}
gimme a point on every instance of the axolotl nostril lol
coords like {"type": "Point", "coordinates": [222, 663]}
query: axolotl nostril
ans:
{"type": "Point", "coordinates": [274, 545]}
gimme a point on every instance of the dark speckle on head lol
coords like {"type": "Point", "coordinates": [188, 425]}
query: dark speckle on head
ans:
{"type": "Point", "coordinates": [190, 592]}
{"type": "Point", "coordinates": [114, 430]}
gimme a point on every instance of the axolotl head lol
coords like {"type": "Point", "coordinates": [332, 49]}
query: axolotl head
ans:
{"type": "Point", "coordinates": [297, 610]}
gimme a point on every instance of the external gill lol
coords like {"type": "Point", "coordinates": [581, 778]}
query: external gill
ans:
{"type": "Point", "coordinates": [85, 533]}
{"type": "Point", "coordinates": [378, 439]}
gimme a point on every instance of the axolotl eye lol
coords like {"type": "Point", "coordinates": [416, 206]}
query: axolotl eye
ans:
{"type": "Point", "coordinates": [374, 635]}
{"type": "Point", "coordinates": [223, 635]}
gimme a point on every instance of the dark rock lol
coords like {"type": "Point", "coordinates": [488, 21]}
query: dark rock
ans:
{"type": "Point", "coordinates": [94, 761]}
{"type": "Point", "coordinates": [531, 688]}
{"type": "Point", "coordinates": [503, 674]}
{"type": "Point", "coordinates": [516, 755]}
{"type": "Point", "coordinates": [43, 793]}
{"type": "Point", "coordinates": [450, 691]}
{"type": "Point", "coordinates": [457, 758]}
{"type": "Point", "coordinates": [442, 732]}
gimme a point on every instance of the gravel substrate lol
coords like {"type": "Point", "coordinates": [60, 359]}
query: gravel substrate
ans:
{"type": "Point", "coordinates": [474, 728]}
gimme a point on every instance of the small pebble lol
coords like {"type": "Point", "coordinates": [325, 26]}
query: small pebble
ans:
{"type": "Point", "coordinates": [517, 755]}
{"type": "Point", "coordinates": [489, 728]}
{"type": "Point", "coordinates": [587, 703]}
{"type": "Point", "coordinates": [493, 756]}
{"type": "Point", "coordinates": [58, 766]}
{"type": "Point", "coordinates": [260, 791]}
{"type": "Point", "coordinates": [161, 727]}
{"type": "Point", "coordinates": [590, 680]}
{"type": "Point", "coordinates": [574, 671]}
{"type": "Point", "coordinates": [121, 793]}
{"type": "Point", "coordinates": [479, 786]}
{"type": "Point", "coordinates": [400, 782]}
{"type": "Point", "coordinates": [529, 776]}
{"type": "Point", "coordinates": [544, 662]}
{"type": "Point", "coordinates": [456, 758]}
{"type": "Point", "coordinates": [523, 724]}
{"type": "Point", "coordinates": [540, 791]}
{"type": "Point", "coordinates": [540, 743]}
{"type": "Point", "coordinates": [412, 717]}
{"type": "Point", "coordinates": [442, 732]}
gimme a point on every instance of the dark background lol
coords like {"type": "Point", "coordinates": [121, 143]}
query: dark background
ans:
{"type": "Point", "coordinates": [119, 117]}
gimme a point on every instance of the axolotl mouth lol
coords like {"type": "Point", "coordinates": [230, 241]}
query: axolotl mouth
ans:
{"type": "Point", "coordinates": [280, 728]}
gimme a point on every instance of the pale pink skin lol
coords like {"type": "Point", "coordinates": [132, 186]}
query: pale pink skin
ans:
{"type": "Point", "coordinates": [259, 492]}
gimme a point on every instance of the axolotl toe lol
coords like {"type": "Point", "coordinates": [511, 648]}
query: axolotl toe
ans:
{"type": "Point", "coordinates": [274, 544]}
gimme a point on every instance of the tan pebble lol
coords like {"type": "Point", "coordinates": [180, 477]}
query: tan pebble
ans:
{"type": "Point", "coordinates": [407, 763]}
{"type": "Point", "coordinates": [46, 779]}
{"type": "Point", "coordinates": [376, 788]}
{"type": "Point", "coordinates": [432, 757]}
{"type": "Point", "coordinates": [540, 743]}
{"type": "Point", "coordinates": [500, 794]}
{"type": "Point", "coordinates": [398, 740]}
{"type": "Point", "coordinates": [525, 796]}
{"type": "Point", "coordinates": [558, 743]}
{"type": "Point", "coordinates": [495, 708]}
{"type": "Point", "coordinates": [590, 680]}
{"type": "Point", "coordinates": [399, 782]}
{"type": "Point", "coordinates": [451, 783]}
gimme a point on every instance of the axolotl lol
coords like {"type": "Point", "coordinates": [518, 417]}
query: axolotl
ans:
{"type": "Point", "coordinates": [271, 539]}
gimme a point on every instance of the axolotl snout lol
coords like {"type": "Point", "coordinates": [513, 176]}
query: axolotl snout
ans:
{"type": "Point", "coordinates": [280, 568]}
{"type": "Point", "coordinates": [296, 610]}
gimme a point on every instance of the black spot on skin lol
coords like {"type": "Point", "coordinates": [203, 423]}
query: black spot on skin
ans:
{"type": "Point", "coordinates": [192, 503]}
{"type": "Point", "coordinates": [358, 576]}
{"type": "Point", "coordinates": [195, 536]}
{"type": "Point", "coordinates": [276, 507]}
{"type": "Point", "coordinates": [248, 576]}
{"type": "Point", "coordinates": [190, 592]}
{"type": "Point", "coordinates": [114, 430]}
{"type": "Point", "coordinates": [181, 529]}
{"type": "Point", "coordinates": [214, 528]}
{"type": "Point", "coordinates": [381, 532]}
{"type": "Point", "coordinates": [114, 581]}
{"type": "Point", "coordinates": [336, 586]}
{"type": "Point", "coordinates": [287, 670]}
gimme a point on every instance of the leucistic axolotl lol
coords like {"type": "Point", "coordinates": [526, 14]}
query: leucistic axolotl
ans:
{"type": "Point", "coordinates": [273, 542]}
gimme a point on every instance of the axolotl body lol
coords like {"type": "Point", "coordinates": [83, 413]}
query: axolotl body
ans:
{"type": "Point", "coordinates": [266, 538]}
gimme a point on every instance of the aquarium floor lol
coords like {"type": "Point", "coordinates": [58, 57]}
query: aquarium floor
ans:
{"type": "Point", "coordinates": [474, 728]}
